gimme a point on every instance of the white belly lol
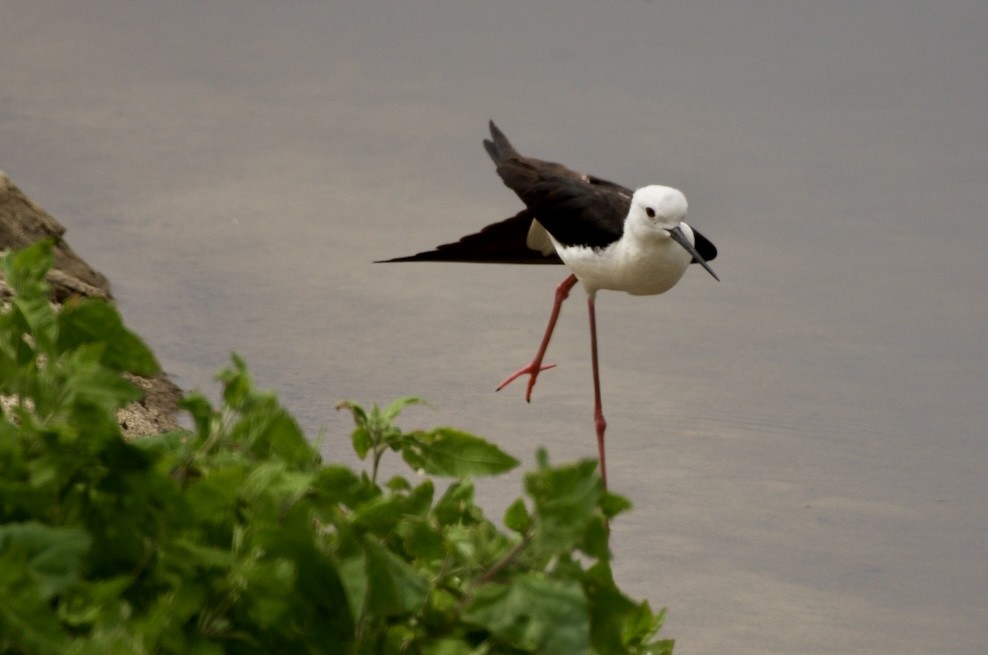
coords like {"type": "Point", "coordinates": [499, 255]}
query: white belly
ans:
{"type": "Point", "coordinates": [623, 266]}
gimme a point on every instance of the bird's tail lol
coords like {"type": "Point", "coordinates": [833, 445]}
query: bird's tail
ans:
{"type": "Point", "coordinates": [505, 242]}
{"type": "Point", "coordinates": [498, 147]}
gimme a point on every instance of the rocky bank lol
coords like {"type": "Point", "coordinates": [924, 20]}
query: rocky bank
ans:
{"type": "Point", "coordinates": [22, 222]}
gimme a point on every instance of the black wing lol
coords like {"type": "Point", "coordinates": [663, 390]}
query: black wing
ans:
{"type": "Point", "coordinates": [703, 246]}
{"type": "Point", "coordinates": [576, 209]}
{"type": "Point", "coordinates": [500, 243]}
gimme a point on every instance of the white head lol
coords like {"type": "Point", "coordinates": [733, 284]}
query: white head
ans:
{"type": "Point", "coordinates": [656, 208]}
{"type": "Point", "coordinates": [659, 212]}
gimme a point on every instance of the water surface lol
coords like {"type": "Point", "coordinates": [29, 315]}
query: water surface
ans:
{"type": "Point", "coordinates": [804, 442]}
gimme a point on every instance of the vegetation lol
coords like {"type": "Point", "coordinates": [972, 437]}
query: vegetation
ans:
{"type": "Point", "coordinates": [235, 537]}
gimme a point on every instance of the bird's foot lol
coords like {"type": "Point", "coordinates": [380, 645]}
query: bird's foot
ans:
{"type": "Point", "coordinates": [532, 370]}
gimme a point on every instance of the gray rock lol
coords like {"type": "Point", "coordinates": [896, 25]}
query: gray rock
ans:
{"type": "Point", "coordinates": [23, 223]}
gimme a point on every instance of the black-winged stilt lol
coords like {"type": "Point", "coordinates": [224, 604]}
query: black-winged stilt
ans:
{"type": "Point", "coordinates": [609, 236]}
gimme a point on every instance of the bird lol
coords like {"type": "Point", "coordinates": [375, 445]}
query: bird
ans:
{"type": "Point", "coordinates": [609, 237]}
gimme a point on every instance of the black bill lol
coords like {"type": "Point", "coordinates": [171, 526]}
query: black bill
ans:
{"type": "Point", "coordinates": [679, 237]}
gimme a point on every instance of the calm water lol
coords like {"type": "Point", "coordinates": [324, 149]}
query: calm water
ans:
{"type": "Point", "coordinates": [804, 442]}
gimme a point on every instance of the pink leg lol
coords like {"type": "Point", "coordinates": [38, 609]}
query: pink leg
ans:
{"type": "Point", "coordinates": [598, 412]}
{"type": "Point", "coordinates": [535, 367]}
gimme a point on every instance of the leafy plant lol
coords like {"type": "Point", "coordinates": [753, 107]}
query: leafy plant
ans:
{"type": "Point", "coordinates": [234, 537]}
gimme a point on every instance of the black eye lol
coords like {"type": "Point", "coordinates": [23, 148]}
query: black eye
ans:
{"type": "Point", "coordinates": [650, 212]}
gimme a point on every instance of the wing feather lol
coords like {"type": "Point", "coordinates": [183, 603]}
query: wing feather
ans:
{"type": "Point", "coordinates": [575, 208]}
{"type": "Point", "coordinates": [504, 242]}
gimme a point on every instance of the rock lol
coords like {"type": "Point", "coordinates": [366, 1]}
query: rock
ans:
{"type": "Point", "coordinates": [153, 414]}
{"type": "Point", "coordinates": [23, 223]}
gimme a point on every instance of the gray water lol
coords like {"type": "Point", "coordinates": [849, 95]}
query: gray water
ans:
{"type": "Point", "coordinates": [803, 442]}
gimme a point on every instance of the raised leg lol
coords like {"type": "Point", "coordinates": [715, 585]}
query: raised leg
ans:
{"type": "Point", "coordinates": [598, 412]}
{"type": "Point", "coordinates": [535, 366]}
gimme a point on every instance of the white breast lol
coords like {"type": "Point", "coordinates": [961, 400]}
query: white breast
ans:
{"type": "Point", "coordinates": [638, 267]}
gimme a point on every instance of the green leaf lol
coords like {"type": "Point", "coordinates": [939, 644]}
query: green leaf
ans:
{"type": "Point", "coordinates": [54, 555]}
{"type": "Point", "coordinates": [203, 555]}
{"type": "Point", "coordinates": [380, 514]}
{"type": "Point", "coordinates": [534, 613]}
{"type": "Point", "coordinates": [456, 504]}
{"type": "Point", "coordinates": [236, 382]}
{"type": "Point", "coordinates": [271, 584]}
{"type": "Point", "coordinates": [99, 603]}
{"type": "Point", "coordinates": [392, 411]}
{"type": "Point", "coordinates": [273, 481]}
{"type": "Point", "coordinates": [398, 483]}
{"type": "Point", "coordinates": [37, 563]}
{"type": "Point", "coordinates": [27, 623]}
{"type": "Point", "coordinates": [451, 646]}
{"type": "Point", "coordinates": [612, 504]}
{"type": "Point", "coordinates": [384, 513]}
{"type": "Point", "coordinates": [273, 430]}
{"type": "Point", "coordinates": [260, 422]}
{"type": "Point", "coordinates": [566, 504]}
{"type": "Point", "coordinates": [25, 272]}
{"type": "Point", "coordinates": [93, 320]}
{"type": "Point", "coordinates": [420, 539]}
{"type": "Point", "coordinates": [362, 442]}
{"type": "Point", "coordinates": [394, 587]}
{"type": "Point", "coordinates": [39, 321]}
{"type": "Point", "coordinates": [199, 407]}
{"type": "Point", "coordinates": [215, 494]}
{"type": "Point", "coordinates": [617, 623]}
{"type": "Point", "coordinates": [353, 576]}
{"type": "Point", "coordinates": [374, 430]}
{"type": "Point", "coordinates": [660, 646]}
{"type": "Point", "coordinates": [337, 488]}
{"type": "Point", "coordinates": [359, 415]}
{"type": "Point", "coordinates": [87, 382]}
{"type": "Point", "coordinates": [516, 517]}
{"type": "Point", "coordinates": [445, 451]}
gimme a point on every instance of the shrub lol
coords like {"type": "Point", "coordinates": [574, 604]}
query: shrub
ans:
{"type": "Point", "coordinates": [234, 537]}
